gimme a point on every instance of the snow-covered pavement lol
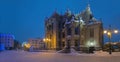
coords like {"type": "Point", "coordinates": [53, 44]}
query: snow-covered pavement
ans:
{"type": "Point", "coordinates": [23, 56]}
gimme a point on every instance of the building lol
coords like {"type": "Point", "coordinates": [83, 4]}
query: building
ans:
{"type": "Point", "coordinates": [7, 40]}
{"type": "Point", "coordinates": [36, 44]}
{"type": "Point", "coordinates": [2, 47]}
{"type": "Point", "coordinates": [73, 30]}
{"type": "Point", "coordinates": [53, 30]}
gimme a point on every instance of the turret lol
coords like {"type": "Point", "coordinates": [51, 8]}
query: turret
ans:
{"type": "Point", "coordinates": [87, 14]}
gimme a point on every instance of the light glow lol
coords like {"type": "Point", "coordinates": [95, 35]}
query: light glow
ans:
{"type": "Point", "coordinates": [116, 31]}
{"type": "Point", "coordinates": [44, 40]}
{"type": "Point", "coordinates": [105, 31]}
{"type": "Point", "coordinates": [109, 33]}
{"type": "Point", "coordinates": [27, 45]}
{"type": "Point", "coordinates": [91, 44]}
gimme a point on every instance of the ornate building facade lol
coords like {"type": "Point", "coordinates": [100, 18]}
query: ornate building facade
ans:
{"type": "Point", "coordinates": [73, 30]}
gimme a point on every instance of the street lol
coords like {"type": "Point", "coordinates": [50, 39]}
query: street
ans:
{"type": "Point", "coordinates": [23, 56]}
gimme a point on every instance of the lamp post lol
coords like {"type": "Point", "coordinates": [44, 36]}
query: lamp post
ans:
{"type": "Point", "coordinates": [109, 34]}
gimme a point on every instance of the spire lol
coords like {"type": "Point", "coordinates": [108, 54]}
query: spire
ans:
{"type": "Point", "coordinates": [55, 13]}
{"type": "Point", "coordinates": [87, 14]}
{"type": "Point", "coordinates": [88, 8]}
{"type": "Point", "coordinates": [68, 12]}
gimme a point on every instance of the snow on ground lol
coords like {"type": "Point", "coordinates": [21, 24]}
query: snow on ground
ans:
{"type": "Point", "coordinates": [23, 56]}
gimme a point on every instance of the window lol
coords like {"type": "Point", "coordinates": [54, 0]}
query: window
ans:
{"type": "Point", "coordinates": [52, 27]}
{"type": "Point", "coordinates": [76, 30]}
{"type": "Point", "coordinates": [68, 31]}
{"type": "Point", "coordinates": [63, 35]}
{"type": "Point", "coordinates": [91, 32]}
{"type": "Point", "coordinates": [76, 43]}
{"type": "Point", "coordinates": [68, 28]}
{"type": "Point", "coordinates": [63, 44]}
{"type": "Point", "coordinates": [33, 42]}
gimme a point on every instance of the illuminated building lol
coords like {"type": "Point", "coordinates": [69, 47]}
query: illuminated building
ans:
{"type": "Point", "coordinates": [36, 44]}
{"type": "Point", "coordinates": [75, 30]}
{"type": "Point", "coordinates": [7, 40]}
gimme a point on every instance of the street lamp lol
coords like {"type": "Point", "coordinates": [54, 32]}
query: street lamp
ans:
{"type": "Point", "coordinates": [27, 45]}
{"type": "Point", "coordinates": [109, 34]}
{"type": "Point", "coordinates": [105, 31]}
{"type": "Point", "coordinates": [115, 31]}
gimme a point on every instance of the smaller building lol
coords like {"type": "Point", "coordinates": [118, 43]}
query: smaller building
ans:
{"type": "Point", "coordinates": [7, 40]}
{"type": "Point", "coordinates": [2, 47]}
{"type": "Point", "coordinates": [36, 44]}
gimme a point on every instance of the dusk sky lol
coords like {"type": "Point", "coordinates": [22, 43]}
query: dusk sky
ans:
{"type": "Point", "coordinates": [25, 18]}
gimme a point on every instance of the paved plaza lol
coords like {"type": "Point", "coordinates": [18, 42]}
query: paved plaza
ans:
{"type": "Point", "coordinates": [23, 56]}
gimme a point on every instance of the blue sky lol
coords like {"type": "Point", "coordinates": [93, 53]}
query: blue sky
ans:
{"type": "Point", "coordinates": [25, 18]}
